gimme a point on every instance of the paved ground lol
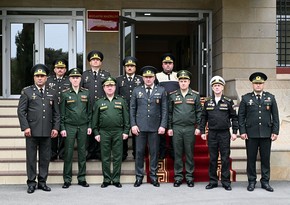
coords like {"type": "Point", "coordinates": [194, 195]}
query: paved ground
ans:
{"type": "Point", "coordinates": [147, 194]}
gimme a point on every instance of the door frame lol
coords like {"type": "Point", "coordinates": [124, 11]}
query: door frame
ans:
{"type": "Point", "coordinates": [55, 16]}
{"type": "Point", "coordinates": [173, 15]}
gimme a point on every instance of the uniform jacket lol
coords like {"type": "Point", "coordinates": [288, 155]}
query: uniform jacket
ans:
{"type": "Point", "coordinates": [58, 86]}
{"type": "Point", "coordinates": [125, 88]}
{"type": "Point", "coordinates": [75, 108]}
{"type": "Point", "coordinates": [149, 113]}
{"type": "Point", "coordinates": [41, 115]}
{"type": "Point", "coordinates": [111, 115]}
{"type": "Point", "coordinates": [258, 121]}
{"type": "Point", "coordinates": [184, 111]}
{"type": "Point", "coordinates": [94, 85]}
{"type": "Point", "coordinates": [219, 116]}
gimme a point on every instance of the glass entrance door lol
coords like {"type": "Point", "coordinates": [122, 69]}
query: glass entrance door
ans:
{"type": "Point", "coordinates": [23, 54]}
{"type": "Point", "coordinates": [32, 41]}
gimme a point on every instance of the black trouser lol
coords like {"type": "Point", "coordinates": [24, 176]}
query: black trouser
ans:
{"type": "Point", "coordinates": [43, 145]}
{"type": "Point", "coordinates": [264, 147]}
{"type": "Point", "coordinates": [93, 148]}
{"type": "Point", "coordinates": [219, 142]}
{"type": "Point", "coordinates": [57, 147]}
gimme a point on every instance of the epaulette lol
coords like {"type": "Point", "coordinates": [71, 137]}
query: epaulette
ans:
{"type": "Point", "coordinates": [84, 88]}
{"type": "Point", "coordinates": [195, 91]}
{"type": "Point", "coordinates": [227, 99]}
{"type": "Point", "coordinates": [175, 91]}
{"type": "Point", "coordinates": [206, 98]}
{"type": "Point", "coordinates": [65, 90]}
{"type": "Point", "coordinates": [27, 87]}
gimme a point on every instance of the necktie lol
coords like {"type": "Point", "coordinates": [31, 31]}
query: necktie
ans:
{"type": "Point", "coordinates": [130, 79]}
{"type": "Point", "coordinates": [168, 74]}
{"type": "Point", "coordinates": [259, 98]}
{"type": "Point", "coordinates": [148, 91]}
{"type": "Point", "coordinates": [95, 74]}
{"type": "Point", "coordinates": [59, 80]}
{"type": "Point", "coordinates": [41, 92]}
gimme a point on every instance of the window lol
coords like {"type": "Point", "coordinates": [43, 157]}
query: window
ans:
{"type": "Point", "coordinates": [283, 33]}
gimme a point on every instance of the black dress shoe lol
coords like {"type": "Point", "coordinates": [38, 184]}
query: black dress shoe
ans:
{"type": "Point", "coordinates": [30, 189]}
{"type": "Point", "coordinates": [105, 184]}
{"type": "Point", "coordinates": [190, 183]}
{"type": "Point", "coordinates": [44, 187]}
{"type": "Point", "coordinates": [155, 183]}
{"type": "Point", "coordinates": [117, 184]}
{"type": "Point", "coordinates": [83, 184]}
{"type": "Point", "coordinates": [227, 187]}
{"type": "Point", "coordinates": [211, 186]}
{"type": "Point", "coordinates": [267, 187]}
{"type": "Point", "coordinates": [177, 183]}
{"type": "Point", "coordinates": [66, 185]}
{"type": "Point", "coordinates": [251, 187]}
{"type": "Point", "coordinates": [138, 183]}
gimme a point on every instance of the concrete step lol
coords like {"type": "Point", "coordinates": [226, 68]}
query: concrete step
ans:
{"type": "Point", "coordinates": [13, 131]}
{"type": "Point", "coordinates": [9, 102]}
{"type": "Point", "coordinates": [8, 111]}
{"type": "Point", "coordinates": [9, 121]}
{"type": "Point", "coordinates": [8, 165]}
{"type": "Point", "coordinates": [92, 177]}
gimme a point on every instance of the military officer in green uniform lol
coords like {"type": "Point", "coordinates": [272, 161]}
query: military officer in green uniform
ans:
{"type": "Point", "coordinates": [183, 124]}
{"type": "Point", "coordinates": [38, 114]}
{"type": "Point", "coordinates": [92, 80]}
{"type": "Point", "coordinates": [219, 114]}
{"type": "Point", "coordinates": [58, 81]}
{"type": "Point", "coordinates": [75, 124]}
{"type": "Point", "coordinates": [259, 125]}
{"type": "Point", "coordinates": [110, 127]}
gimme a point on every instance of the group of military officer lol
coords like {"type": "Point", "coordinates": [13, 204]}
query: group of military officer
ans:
{"type": "Point", "coordinates": [90, 105]}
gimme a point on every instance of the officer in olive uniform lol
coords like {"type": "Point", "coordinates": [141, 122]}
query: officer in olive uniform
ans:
{"type": "Point", "coordinates": [38, 114]}
{"type": "Point", "coordinates": [92, 80]}
{"type": "Point", "coordinates": [59, 82]}
{"type": "Point", "coordinates": [111, 126]}
{"type": "Point", "coordinates": [183, 124]}
{"type": "Point", "coordinates": [148, 116]}
{"type": "Point", "coordinates": [168, 79]}
{"type": "Point", "coordinates": [76, 116]}
{"type": "Point", "coordinates": [219, 113]}
{"type": "Point", "coordinates": [125, 85]}
{"type": "Point", "coordinates": [259, 126]}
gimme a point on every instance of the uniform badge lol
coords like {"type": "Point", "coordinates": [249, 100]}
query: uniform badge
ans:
{"type": "Point", "coordinates": [33, 96]}
{"type": "Point", "coordinates": [157, 101]}
{"type": "Point", "coordinates": [250, 102]}
{"type": "Point", "coordinates": [122, 84]}
{"type": "Point", "coordinates": [137, 81]}
{"type": "Point", "coordinates": [140, 94]}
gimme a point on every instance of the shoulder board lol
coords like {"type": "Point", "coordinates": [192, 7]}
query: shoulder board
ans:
{"type": "Point", "coordinates": [175, 91]}
{"type": "Point", "coordinates": [66, 90]}
{"type": "Point", "coordinates": [207, 98]}
{"type": "Point", "coordinates": [27, 87]}
{"type": "Point", "coordinates": [194, 91]}
{"type": "Point", "coordinates": [84, 88]}
{"type": "Point", "coordinates": [227, 99]}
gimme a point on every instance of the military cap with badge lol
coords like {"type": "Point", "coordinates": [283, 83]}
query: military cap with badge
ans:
{"type": "Point", "coordinates": [184, 74]}
{"type": "Point", "coordinates": [258, 77]}
{"type": "Point", "coordinates": [130, 60]}
{"type": "Point", "coordinates": [167, 58]}
{"type": "Point", "coordinates": [60, 63]}
{"type": "Point", "coordinates": [217, 80]}
{"type": "Point", "coordinates": [95, 54]}
{"type": "Point", "coordinates": [40, 69]}
{"type": "Point", "coordinates": [109, 81]}
{"type": "Point", "coordinates": [148, 71]}
{"type": "Point", "coordinates": [75, 72]}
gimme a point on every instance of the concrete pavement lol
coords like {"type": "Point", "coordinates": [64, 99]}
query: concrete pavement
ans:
{"type": "Point", "coordinates": [146, 194]}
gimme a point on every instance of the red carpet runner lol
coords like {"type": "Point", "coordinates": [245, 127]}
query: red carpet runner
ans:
{"type": "Point", "coordinates": [201, 159]}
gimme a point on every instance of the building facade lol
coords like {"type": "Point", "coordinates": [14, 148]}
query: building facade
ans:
{"type": "Point", "coordinates": [229, 38]}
